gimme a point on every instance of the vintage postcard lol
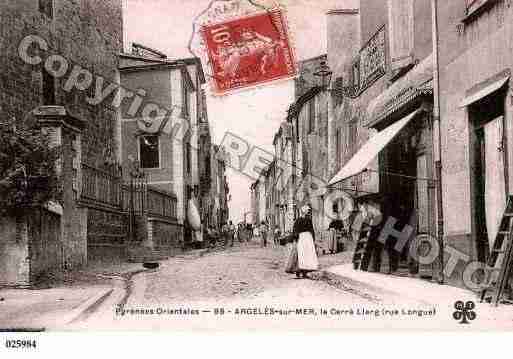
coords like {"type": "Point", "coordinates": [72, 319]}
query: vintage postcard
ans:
{"type": "Point", "coordinates": [255, 165]}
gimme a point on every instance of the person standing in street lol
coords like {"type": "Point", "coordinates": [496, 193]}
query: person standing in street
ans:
{"type": "Point", "coordinates": [249, 232]}
{"type": "Point", "coordinates": [224, 234]}
{"type": "Point", "coordinates": [336, 227]}
{"type": "Point", "coordinates": [371, 218]}
{"type": "Point", "coordinates": [277, 234]}
{"type": "Point", "coordinates": [231, 233]}
{"type": "Point", "coordinates": [303, 233]}
{"type": "Point", "coordinates": [263, 233]}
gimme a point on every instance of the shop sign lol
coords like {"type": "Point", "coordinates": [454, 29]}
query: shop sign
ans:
{"type": "Point", "coordinates": [372, 62]}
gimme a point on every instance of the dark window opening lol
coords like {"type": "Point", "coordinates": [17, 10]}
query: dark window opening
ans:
{"type": "Point", "coordinates": [188, 159]}
{"type": "Point", "coordinates": [311, 116]}
{"type": "Point", "coordinates": [48, 88]}
{"type": "Point", "coordinates": [338, 146]}
{"type": "Point", "coordinates": [356, 74]}
{"type": "Point", "coordinates": [185, 102]}
{"type": "Point", "coordinates": [306, 163]}
{"type": "Point", "coordinates": [46, 7]}
{"type": "Point", "coordinates": [149, 151]}
{"type": "Point", "coordinates": [352, 138]}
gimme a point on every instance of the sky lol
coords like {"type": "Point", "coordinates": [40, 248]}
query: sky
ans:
{"type": "Point", "coordinates": [253, 114]}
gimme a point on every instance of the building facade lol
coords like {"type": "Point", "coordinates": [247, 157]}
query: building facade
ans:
{"type": "Point", "coordinates": [382, 100]}
{"type": "Point", "coordinates": [175, 149]}
{"type": "Point", "coordinates": [475, 114]}
{"type": "Point", "coordinates": [220, 190]}
{"type": "Point", "coordinates": [147, 143]}
{"type": "Point", "coordinates": [70, 38]}
{"type": "Point", "coordinates": [300, 152]}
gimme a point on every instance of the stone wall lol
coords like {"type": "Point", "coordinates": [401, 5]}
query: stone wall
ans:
{"type": "Point", "coordinates": [106, 234]}
{"type": "Point", "coordinates": [86, 33]}
{"type": "Point", "coordinates": [167, 237]}
{"type": "Point", "coordinates": [46, 246]}
{"type": "Point", "coordinates": [30, 247]}
{"type": "Point", "coordinates": [14, 252]}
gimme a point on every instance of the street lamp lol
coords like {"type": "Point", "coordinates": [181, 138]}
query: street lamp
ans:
{"type": "Point", "coordinates": [324, 73]}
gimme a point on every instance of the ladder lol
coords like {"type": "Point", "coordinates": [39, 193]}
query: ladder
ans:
{"type": "Point", "coordinates": [500, 259]}
{"type": "Point", "coordinates": [361, 247]}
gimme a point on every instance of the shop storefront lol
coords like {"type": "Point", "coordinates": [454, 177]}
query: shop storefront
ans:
{"type": "Point", "coordinates": [400, 154]}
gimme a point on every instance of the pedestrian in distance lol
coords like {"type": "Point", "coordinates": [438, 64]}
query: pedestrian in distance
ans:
{"type": "Point", "coordinates": [231, 233]}
{"type": "Point", "coordinates": [241, 232]}
{"type": "Point", "coordinates": [249, 232]}
{"type": "Point", "coordinates": [277, 234]}
{"type": "Point", "coordinates": [225, 233]}
{"type": "Point", "coordinates": [335, 229]}
{"type": "Point", "coordinates": [303, 233]}
{"type": "Point", "coordinates": [263, 232]}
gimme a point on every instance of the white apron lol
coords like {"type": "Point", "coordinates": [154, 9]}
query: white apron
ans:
{"type": "Point", "coordinates": [306, 255]}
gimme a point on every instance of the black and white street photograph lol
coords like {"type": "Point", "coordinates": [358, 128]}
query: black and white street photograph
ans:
{"type": "Point", "coordinates": [255, 165]}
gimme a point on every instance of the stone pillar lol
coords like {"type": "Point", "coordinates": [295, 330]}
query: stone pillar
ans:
{"type": "Point", "coordinates": [66, 131]}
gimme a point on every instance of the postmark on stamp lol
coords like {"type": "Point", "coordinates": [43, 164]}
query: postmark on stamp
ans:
{"type": "Point", "coordinates": [248, 50]}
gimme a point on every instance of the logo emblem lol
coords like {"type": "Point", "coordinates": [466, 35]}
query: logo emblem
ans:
{"type": "Point", "coordinates": [464, 312]}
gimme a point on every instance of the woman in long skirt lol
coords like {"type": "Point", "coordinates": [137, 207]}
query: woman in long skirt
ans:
{"type": "Point", "coordinates": [304, 233]}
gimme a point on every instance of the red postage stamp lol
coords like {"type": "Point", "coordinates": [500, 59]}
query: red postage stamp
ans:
{"type": "Point", "coordinates": [249, 51]}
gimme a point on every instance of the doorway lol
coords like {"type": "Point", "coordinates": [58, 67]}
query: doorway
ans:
{"type": "Point", "coordinates": [406, 171]}
{"type": "Point", "coordinates": [399, 186]}
{"type": "Point", "coordinates": [488, 170]}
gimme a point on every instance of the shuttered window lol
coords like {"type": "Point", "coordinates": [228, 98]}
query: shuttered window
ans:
{"type": "Point", "coordinates": [351, 138]}
{"type": "Point", "coordinates": [401, 33]}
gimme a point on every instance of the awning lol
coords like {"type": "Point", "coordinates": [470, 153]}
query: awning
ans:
{"type": "Point", "coordinates": [483, 91]}
{"type": "Point", "coordinates": [371, 149]}
{"type": "Point", "coordinates": [415, 83]}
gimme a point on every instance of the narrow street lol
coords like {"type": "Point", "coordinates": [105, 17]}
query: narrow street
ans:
{"type": "Point", "coordinates": [245, 275]}
{"type": "Point", "coordinates": [245, 288]}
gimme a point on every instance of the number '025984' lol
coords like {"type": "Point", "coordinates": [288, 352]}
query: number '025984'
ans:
{"type": "Point", "coordinates": [21, 344]}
